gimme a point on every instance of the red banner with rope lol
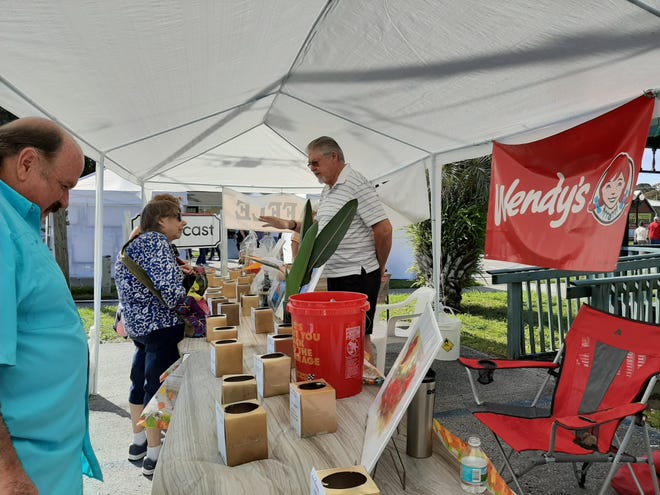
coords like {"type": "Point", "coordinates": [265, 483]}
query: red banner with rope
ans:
{"type": "Point", "coordinates": [562, 202]}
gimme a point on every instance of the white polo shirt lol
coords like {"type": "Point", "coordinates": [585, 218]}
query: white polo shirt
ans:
{"type": "Point", "coordinates": [357, 250]}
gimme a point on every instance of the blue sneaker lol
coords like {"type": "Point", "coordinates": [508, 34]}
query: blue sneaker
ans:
{"type": "Point", "coordinates": [137, 452]}
{"type": "Point", "coordinates": [148, 466]}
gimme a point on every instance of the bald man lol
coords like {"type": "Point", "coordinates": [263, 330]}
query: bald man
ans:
{"type": "Point", "coordinates": [44, 438]}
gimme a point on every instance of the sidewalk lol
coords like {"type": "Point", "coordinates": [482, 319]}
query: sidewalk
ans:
{"type": "Point", "coordinates": [110, 426]}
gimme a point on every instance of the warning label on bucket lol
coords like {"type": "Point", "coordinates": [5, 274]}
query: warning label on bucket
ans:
{"type": "Point", "coordinates": [353, 356]}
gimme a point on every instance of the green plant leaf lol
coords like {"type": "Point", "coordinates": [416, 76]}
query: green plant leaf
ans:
{"type": "Point", "coordinates": [299, 267]}
{"type": "Point", "coordinates": [308, 219]}
{"type": "Point", "coordinates": [332, 234]}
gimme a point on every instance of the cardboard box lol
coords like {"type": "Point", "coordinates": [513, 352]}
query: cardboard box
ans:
{"type": "Point", "coordinates": [234, 273]}
{"type": "Point", "coordinates": [213, 321]}
{"type": "Point", "coordinates": [242, 432]}
{"type": "Point", "coordinates": [230, 289]}
{"type": "Point", "coordinates": [226, 357]}
{"type": "Point", "coordinates": [249, 301]}
{"type": "Point", "coordinates": [213, 292]}
{"type": "Point", "coordinates": [233, 313]}
{"type": "Point", "coordinates": [312, 408]}
{"type": "Point", "coordinates": [273, 374]}
{"type": "Point", "coordinates": [284, 329]}
{"type": "Point", "coordinates": [244, 279]}
{"type": "Point", "coordinates": [238, 388]}
{"type": "Point", "coordinates": [281, 343]}
{"type": "Point", "coordinates": [214, 303]}
{"type": "Point", "coordinates": [213, 280]}
{"type": "Point", "coordinates": [224, 332]}
{"type": "Point", "coordinates": [262, 320]}
{"type": "Point", "coordinates": [241, 290]}
{"type": "Point", "coordinates": [354, 480]}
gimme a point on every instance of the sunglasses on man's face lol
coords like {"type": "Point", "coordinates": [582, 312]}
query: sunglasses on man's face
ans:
{"type": "Point", "coordinates": [315, 163]}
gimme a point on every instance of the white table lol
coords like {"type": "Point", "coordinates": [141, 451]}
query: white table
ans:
{"type": "Point", "coordinates": [189, 462]}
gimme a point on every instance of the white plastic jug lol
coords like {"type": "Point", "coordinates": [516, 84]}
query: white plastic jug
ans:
{"type": "Point", "coordinates": [450, 329]}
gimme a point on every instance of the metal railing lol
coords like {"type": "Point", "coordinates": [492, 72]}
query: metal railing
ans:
{"type": "Point", "coordinates": [542, 303]}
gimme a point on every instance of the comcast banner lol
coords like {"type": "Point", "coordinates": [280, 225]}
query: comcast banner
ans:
{"type": "Point", "coordinates": [562, 202]}
{"type": "Point", "coordinates": [242, 211]}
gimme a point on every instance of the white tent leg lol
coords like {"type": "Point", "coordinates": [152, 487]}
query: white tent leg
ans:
{"type": "Point", "coordinates": [95, 330]}
{"type": "Point", "coordinates": [224, 248]}
{"type": "Point", "coordinates": [435, 177]}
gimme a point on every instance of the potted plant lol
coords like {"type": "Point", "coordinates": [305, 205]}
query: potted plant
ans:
{"type": "Point", "coordinates": [315, 248]}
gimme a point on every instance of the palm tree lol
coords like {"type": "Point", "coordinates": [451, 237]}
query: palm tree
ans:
{"type": "Point", "coordinates": [465, 191]}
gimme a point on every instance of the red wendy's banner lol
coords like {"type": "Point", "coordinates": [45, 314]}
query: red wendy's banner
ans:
{"type": "Point", "coordinates": [562, 202]}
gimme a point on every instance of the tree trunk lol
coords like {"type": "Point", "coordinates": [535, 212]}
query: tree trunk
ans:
{"type": "Point", "coordinates": [60, 243]}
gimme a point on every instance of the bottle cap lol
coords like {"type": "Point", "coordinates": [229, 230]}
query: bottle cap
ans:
{"type": "Point", "coordinates": [474, 441]}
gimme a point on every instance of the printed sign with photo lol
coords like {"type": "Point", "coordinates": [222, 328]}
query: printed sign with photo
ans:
{"type": "Point", "coordinates": [400, 386]}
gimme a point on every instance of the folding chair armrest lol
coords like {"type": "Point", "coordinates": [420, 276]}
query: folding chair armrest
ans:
{"type": "Point", "coordinates": [391, 323]}
{"type": "Point", "coordinates": [386, 307]}
{"type": "Point", "coordinates": [503, 364]}
{"type": "Point", "coordinates": [582, 421]}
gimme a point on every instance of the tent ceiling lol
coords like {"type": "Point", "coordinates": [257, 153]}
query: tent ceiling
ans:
{"type": "Point", "coordinates": [184, 93]}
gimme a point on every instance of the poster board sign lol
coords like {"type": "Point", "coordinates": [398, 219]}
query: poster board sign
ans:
{"type": "Point", "coordinates": [242, 211]}
{"type": "Point", "coordinates": [201, 230]}
{"type": "Point", "coordinates": [400, 386]}
{"type": "Point", "coordinates": [562, 202]}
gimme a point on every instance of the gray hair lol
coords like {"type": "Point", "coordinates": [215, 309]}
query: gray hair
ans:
{"type": "Point", "coordinates": [326, 144]}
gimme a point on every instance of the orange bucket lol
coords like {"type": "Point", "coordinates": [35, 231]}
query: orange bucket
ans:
{"type": "Point", "coordinates": [328, 338]}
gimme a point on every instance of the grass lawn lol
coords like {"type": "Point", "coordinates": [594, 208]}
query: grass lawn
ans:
{"type": "Point", "coordinates": [483, 320]}
{"type": "Point", "coordinates": [107, 319]}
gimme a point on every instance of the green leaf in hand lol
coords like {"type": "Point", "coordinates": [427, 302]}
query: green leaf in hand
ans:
{"type": "Point", "coordinates": [308, 219]}
{"type": "Point", "coordinates": [332, 234]}
{"type": "Point", "coordinates": [299, 267]}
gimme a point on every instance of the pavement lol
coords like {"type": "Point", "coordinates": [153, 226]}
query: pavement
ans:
{"type": "Point", "coordinates": [110, 425]}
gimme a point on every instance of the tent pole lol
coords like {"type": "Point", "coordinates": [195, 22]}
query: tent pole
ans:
{"type": "Point", "coordinates": [224, 248]}
{"type": "Point", "coordinates": [95, 331]}
{"type": "Point", "coordinates": [435, 177]}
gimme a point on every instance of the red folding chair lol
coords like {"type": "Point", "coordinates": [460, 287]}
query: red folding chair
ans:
{"type": "Point", "coordinates": [605, 372]}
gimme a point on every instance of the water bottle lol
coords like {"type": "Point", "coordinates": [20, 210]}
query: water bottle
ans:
{"type": "Point", "coordinates": [474, 468]}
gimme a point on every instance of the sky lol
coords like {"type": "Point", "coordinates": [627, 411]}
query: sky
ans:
{"type": "Point", "coordinates": [646, 165]}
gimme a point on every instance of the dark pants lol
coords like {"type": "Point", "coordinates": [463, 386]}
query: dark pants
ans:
{"type": "Point", "coordinates": [154, 353]}
{"type": "Point", "coordinates": [201, 259]}
{"type": "Point", "coordinates": [364, 283]}
{"type": "Point", "coordinates": [655, 241]}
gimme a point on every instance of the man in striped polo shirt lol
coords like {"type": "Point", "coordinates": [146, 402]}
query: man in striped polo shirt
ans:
{"type": "Point", "coordinates": [359, 262]}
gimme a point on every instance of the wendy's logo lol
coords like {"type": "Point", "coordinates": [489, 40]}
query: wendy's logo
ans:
{"type": "Point", "coordinates": [613, 191]}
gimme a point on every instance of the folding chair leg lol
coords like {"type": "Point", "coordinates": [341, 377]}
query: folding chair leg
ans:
{"type": "Point", "coordinates": [649, 453]}
{"type": "Point", "coordinates": [615, 462]}
{"type": "Point", "coordinates": [508, 465]}
{"type": "Point", "coordinates": [581, 473]}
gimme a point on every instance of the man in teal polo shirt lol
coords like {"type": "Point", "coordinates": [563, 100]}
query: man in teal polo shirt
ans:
{"type": "Point", "coordinates": [44, 439]}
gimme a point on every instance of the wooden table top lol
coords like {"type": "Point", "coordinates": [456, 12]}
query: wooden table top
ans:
{"type": "Point", "coordinates": [189, 461]}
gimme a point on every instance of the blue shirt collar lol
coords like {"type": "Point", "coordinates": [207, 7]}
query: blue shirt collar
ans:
{"type": "Point", "coordinates": [23, 206]}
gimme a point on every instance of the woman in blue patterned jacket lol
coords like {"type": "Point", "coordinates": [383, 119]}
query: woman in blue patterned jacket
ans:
{"type": "Point", "coordinates": [155, 328]}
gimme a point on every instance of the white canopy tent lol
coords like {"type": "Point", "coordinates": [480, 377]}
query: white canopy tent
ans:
{"type": "Point", "coordinates": [190, 94]}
